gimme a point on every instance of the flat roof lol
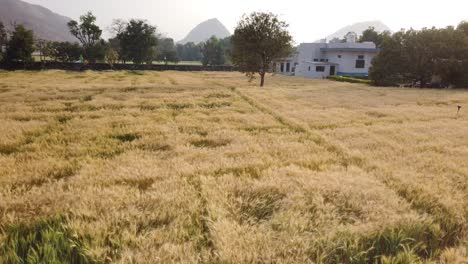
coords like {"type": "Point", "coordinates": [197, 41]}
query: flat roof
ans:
{"type": "Point", "coordinates": [351, 49]}
{"type": "Point", "coordinates": [320, 62]}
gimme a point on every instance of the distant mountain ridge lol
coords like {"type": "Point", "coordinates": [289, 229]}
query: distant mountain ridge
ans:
{"type": "Point", "coordinates": [358, 28]}
{"type": "Point", "coordinates": [45, 23]}
{"type": "Point", "coordinates": [205, 30]}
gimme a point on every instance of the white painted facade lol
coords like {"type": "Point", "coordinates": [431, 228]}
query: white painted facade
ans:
{"type": "Point", "coordinates": [319, 60]}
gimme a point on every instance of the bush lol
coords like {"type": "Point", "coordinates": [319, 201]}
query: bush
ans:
{"type": "Point", "coordinates": [348, 79]}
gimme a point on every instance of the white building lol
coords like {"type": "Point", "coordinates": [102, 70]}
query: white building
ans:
{"type": "Point", "coordinates": [319, 60]}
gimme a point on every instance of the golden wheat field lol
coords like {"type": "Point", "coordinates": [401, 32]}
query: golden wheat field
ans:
{"type": "Point", "coordinates": [179, 167]}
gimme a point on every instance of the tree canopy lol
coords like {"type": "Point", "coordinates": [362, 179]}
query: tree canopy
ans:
{"type": "Point", "coordinates": [166, 51]}
{"type": "Point", "coordinates": [213, 52]}
{"type": "Point", "coordinates": [373, 36]}
{"type": "Point", "coordinates": [189, 52]}
{"type": "Point", "coordinates": [21, 45]}
{"type": "Point", "coordinates": [423, 57]}
{"type": "Point", "coordinates": [3, 39]}
{"type": "Point", "coordinates": [87, 32]}
{"type": "Point", "coordinates": [258, 40]}
{"type": "Point", "coordinates": [138, 41]}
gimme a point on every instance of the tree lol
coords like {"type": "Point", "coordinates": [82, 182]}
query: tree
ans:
{"type": "Point", "coordinates": [117, 27]}
{"type": "Point", "coordinates": [189, 52]}
{"type": "Point", "coordinates": [166, 51]}
{"type": "Point", "coordinates": [388, 66]}
{"type": "Point", "coordinates": [3, 39]}
{"type": "Point", "coordinates": [373, 36]}
{"type": "Point", "coordinates": [87, 32]}
{"type": "Point", "coordinates": [111, 57]}
{"type": "Point", "coordinates": [65, 51]}
{"type": "Point", "coordinates": [138, 41]}
{"type": "Point", "coordinates": [259, 39]}
{"type": "Point", "coordinates": [428, 57]}
{"type": "Point", "coordinates": [21, 45]}
{"type": "Point", "coordinates": [213, 52]}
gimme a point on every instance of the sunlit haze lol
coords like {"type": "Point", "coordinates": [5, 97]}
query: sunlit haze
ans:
{"type": "Point", "coordinates": [309, 20]}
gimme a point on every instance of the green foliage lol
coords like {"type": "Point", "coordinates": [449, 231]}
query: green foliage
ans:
{"type": "Point", "coordinates": [64, 51]}
{"type": "Point", "coordinates": [425, 57]}
{"type": "Point", "coordinates": [411, 242]}
{"type": "Point", "coordinates": [87, 32]}
{"type": "Point", "coordinates": [259, 39]}
{"type": "Point", "coordinates": [45, 241]}
{"type": "Point", "coordinates": [111, 57]}
{"type": "Point", "coordinates": [348, 79]}
{"type": "Point", "coordinates": [373, 36]}
{"type": "Point", "coordinates": [96, 52]}
{"type": "Point", "coordinates": [189, 52]}
{"type": "Point", "coordinates": [213, 52]}
{"type": "Point", "coordinates": [3, 39]}
{"type": "Point", "coordinates": [138, 42]}
{"type": "Point", "coordinates": [21, 45]}
{"type": "Point", "coordinates": [166, 51]}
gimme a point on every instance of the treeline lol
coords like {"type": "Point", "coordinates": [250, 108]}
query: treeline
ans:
{"type": "Point", "coordinates": [134, 41]}
{"type": "Point", "coordinates": [429, 57]}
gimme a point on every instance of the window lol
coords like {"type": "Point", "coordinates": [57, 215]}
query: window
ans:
{"type": "Point", "coordinates": [282, 67]}
{"type": "Point", "coordinates": [361, 57]}
{"type": "Point", "coordinates": [360, 64]}
{"type": "Point", "coordinates": [326, 60]}
{"type": "Point", "coordinates": [309, 68]}
{"type": "Point", "coordinates": [322, 60]}
{"type": "Point", "coordinates": [339, 56]}
{"type": "Point", "coordinates": [288, 67]}
{"type": "Point", "coordinates": [320, 68]}
{"type": "Point", "coordinates": [315, 59]}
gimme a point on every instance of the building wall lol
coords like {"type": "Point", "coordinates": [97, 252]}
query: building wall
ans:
{"type": "Point", "coordinates": [303, 70]}
{"type": "Point", "coordinates": [310, 51]}
{"type": "Point", "coordinates": [348, 59]}
{"type": "Point", "coordinates": [344, 55]}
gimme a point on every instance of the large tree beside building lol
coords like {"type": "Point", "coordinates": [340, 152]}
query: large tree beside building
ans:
{"type": "Point", "coordinates": [427, 57]}
{"type": "Point", "coordinates": [138, 42]}
{"type": "Point", "coordinates": [21, 45]}
{"type": "Point", "coordinates": [258, 40]}
{"type": "Point", "coordinates": [372, 35]}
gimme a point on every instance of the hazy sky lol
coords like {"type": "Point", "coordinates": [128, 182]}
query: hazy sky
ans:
{"type": "Point", "coordinates": [309, 20]}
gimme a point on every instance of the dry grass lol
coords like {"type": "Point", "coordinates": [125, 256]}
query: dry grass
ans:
{"type": "Point", "coordinates": [145, 167]}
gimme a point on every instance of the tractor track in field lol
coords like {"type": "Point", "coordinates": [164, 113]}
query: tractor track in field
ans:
{"type": "Point", "coordinates": [422, 202]}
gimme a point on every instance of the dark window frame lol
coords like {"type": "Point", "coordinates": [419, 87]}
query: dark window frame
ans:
{"type": "Point", "coordinates": [319, 68]}
{"type": "Point", "coordinates": [360, 64]}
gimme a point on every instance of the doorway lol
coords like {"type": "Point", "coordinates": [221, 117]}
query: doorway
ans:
{"type": "Point", "coordinates": [332, 70]}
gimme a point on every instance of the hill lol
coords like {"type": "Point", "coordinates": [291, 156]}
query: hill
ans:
{"type": "Point", "coordinates": [206, 30]}
{"type": "Point", "coordinates": [358, 28]}
{"type": "Point", "coordinates": [45, 23]}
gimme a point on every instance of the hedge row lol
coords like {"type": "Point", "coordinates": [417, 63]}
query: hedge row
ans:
{"type": "Point", "coordinates": [348, 79]}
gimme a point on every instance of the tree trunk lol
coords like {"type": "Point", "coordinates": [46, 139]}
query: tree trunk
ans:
{"type": "Point", "coordinates": [262, 79]}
